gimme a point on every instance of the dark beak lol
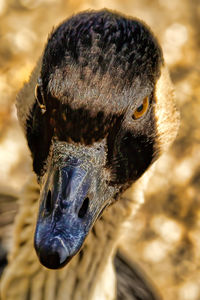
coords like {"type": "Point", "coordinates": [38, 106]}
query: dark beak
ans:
{"type": "Point", "coordinates": [71, 201]}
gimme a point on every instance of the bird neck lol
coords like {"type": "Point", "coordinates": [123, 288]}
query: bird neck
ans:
{"type": "Point", "coordinates": [90, 273]}
{"type": "Point", "coordinates": [94, 276]}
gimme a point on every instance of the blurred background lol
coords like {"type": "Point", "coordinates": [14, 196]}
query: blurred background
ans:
{"type": "Point", "coordinates": [165, 239]}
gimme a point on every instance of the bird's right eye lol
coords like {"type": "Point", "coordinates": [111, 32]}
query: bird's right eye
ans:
{"type": "Point", "coordinates": [39, 98]}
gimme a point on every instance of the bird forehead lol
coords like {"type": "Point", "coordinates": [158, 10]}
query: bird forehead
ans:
{"type": "Point", "coordinates": [94, 92]}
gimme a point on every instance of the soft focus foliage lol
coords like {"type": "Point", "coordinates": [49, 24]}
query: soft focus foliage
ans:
{"type": "Point", "coordinates": [165, 237]}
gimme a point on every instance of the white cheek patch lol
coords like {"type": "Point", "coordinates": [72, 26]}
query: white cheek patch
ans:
{"type": "Point", "coordinates": [167, 116]}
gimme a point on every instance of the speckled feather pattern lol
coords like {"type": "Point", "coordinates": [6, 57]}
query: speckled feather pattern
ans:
{"type": "Point", "coordinates": [103, 42]}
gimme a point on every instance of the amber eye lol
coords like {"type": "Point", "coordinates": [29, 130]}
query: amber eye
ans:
{"type": "Point", "coordinates": [38, 95]}
{"type": "Point", "coordinates": [142, 109]}
{"type": "Point", "coordinates": [39, 98]}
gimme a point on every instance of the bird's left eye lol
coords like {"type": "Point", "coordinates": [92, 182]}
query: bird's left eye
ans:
{"type": "Point", "coordinates": [142, 109]}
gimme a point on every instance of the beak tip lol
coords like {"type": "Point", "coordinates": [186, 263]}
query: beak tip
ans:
{"type": "Point", "coordinates": [53, 254]}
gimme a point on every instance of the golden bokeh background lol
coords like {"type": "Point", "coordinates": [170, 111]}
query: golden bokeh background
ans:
{"type": "Point", "coordinates": [165, 238]}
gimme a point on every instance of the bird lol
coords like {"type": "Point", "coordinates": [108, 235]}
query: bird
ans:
{"type": "Point", "coordinates": [97, 112]}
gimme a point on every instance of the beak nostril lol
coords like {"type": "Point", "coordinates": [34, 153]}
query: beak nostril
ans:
{"type": "Point", "coordinates": [83, 210]}
{"type": "Point", "coordinates": [48, 205]}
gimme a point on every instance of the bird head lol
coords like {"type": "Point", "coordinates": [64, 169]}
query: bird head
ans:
{"type": "Point", "coordinates": [101, 112]}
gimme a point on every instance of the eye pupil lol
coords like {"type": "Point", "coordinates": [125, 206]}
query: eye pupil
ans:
{"type": "Point", "coordinates": [140, 108]}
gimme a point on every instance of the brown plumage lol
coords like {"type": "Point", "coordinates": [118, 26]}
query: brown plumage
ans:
{"type": "Point", "coordinates": [103, 112]}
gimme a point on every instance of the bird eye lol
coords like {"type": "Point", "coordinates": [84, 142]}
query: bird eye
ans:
{"type": "Point", "coordinates": [142, 109]}
{"type": "Point", "coordinates": [38, 95]}
{"type": "Point", "coordinates": [39, 98]}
